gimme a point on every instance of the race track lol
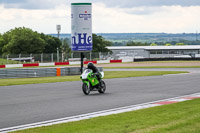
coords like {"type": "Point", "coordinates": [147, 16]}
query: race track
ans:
{"type": "Point", "coordinates": [24, 104]}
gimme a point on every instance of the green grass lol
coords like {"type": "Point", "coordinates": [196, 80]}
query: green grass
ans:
{"type": "Point", "coordinates": [108, 74]}
{"type": "Point", "coordinates": [183, 117]}
{"type": "Point", "coordinates": [5, 61]}
{"type": "Point", "coordinates": [174, 61]}
{"type": "Point", "coordinates": [123, 74]}
{"type": "Point", "coordinates": [156, 67]}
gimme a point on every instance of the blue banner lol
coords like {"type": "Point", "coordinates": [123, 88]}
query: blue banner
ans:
{"type": "Point", "coordinates": [81, 42]}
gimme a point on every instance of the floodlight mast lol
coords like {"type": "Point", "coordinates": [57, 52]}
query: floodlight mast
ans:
{"type": "Point", "coordinates": [58, 28]}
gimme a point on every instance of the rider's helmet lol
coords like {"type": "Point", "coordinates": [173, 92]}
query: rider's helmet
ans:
{"type": "Point", "coordinates": [90, 65]}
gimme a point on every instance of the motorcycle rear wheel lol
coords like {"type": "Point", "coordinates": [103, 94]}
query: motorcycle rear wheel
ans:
{"type": "Point", "coordinates": [86, 89]}
{"type": "Point", "coordinates": [103, 87]}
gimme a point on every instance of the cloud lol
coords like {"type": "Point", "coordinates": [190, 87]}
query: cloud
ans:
{"type": "Point", "coordinates": [50, 4]}
{"type": "Point", "coordinates": [38, 20]}
{"type": "Point", "coordinates": [138, 3]}
{"type": "Point", "coordinates": [171, 19]}
{"type": "Point", "coordinates": [32, 4]}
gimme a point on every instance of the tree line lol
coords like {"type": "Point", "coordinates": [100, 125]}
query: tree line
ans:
{"type": "Point", "coordinates": [132, 43]}
{"type": "Point", "coordinates": [26, 41]}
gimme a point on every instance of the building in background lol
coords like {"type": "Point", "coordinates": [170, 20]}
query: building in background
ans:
{"type": "Point", "coordinates": [188, 51]}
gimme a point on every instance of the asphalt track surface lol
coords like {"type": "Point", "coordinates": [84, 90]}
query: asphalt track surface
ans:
{"type": "Point", "coordinates": [25, 104]}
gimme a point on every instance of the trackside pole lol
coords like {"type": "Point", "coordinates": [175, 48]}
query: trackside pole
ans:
{"type": "Point", "coordinates": [82, 56]}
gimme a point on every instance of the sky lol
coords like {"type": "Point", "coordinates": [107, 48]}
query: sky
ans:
{"type": "Point", "coordinates": [109, 16]}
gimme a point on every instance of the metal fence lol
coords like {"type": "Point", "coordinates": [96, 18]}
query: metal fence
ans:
{"type": "Point", "coordinates": [88, 56]}
{"type": "Point", "coordinates": [53, 57]}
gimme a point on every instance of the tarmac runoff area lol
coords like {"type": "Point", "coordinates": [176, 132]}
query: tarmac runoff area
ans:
{"type": "Point", "coordinates": [46, 104]}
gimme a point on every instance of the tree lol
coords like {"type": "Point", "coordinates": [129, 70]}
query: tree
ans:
{"type": "Point", "coordinates": [1, 43]}
{"type": "Point", "coordinates": [153, 44]}
{"type": "Point", "coordinates": [26, 41]}
{"type": "Point", "coordinates": [65, 48]}
{"type": "Point", "coordinates": [132, 43]}
{"type": "Point", "coordinates": [168, 44]}
{"type": "Point", "coordinates": [180, 44]}
{"type": "Point", "coordinates": [22, 40]}
{"type": "Point", "coordinates": [100, 44]}
{"type": "Point", "coordinates": [52, 43]}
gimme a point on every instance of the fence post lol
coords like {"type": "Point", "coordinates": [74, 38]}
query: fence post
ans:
{"type": "Point", "coordinates": [20, 58]}
{"type": "Point", "coordinates": [62, 56]}
{"type": "Point", "coordinates": [52, 57]}
{"type": "Point", "coordinates": [7, 58]}
{"type": "Point", "coordinates": [90, 56]}
{"type": "Point", "coordinates": [42, 58]}
{"type": "Point", "coordinates": [57, 55]}
{"type": "Point", "coordinates": [71, 55]}
{"type": "Point", "coordinates": [99, 55]}
{"type": "Point", "coordinates": [31, 60]}
{"type": "Point", "coordinates": [108, 55]}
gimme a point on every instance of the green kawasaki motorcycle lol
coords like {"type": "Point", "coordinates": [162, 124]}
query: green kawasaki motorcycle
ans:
{"type": "Point", "coordinates": [91, 83]}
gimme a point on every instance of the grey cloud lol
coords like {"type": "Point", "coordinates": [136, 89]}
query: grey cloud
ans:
{"type": "Point", "coordinates": [12, 1]}
{"type": "Point", "coordinates": [138, 3]}
{"type": "Point", "coordinates": [142, 11]}
{"type": "Point", "coordinates": [48, 4]}
{"type": "Point", "coordinates": [31, 4]}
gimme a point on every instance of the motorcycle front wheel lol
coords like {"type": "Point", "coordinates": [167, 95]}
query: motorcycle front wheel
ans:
{"type": "Point", "coordinates": [103, 87]}
{"type": "Point", "coordinates": [86, 89]}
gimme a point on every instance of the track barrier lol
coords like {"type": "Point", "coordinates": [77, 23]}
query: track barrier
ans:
{"type": "Point", "coordinates": [63, 63]}
{"type": "Point", "coordinates": [58, 72]}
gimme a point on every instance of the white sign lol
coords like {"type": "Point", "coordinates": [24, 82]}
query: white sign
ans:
{"type": "Point", "coordinates": [81, 26]}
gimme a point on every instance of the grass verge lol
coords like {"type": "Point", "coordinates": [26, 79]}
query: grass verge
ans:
{"type": "Point", "coordinates": [108, 75]}
{"type": "Point", "coordinates": [5, 61]}
{"type": "Point", "coordinates": [172, 61]}
{"type": "Point", "coordinates": [183, 117]}
{"type": "Point", "coordinates": [155, 67]}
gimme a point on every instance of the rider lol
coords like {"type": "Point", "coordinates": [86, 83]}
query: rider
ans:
{"type": "Point", "coordinates": [94, 69]}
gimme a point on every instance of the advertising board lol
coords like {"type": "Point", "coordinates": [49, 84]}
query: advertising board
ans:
{"type": "Point", "coordinates": [81, 27]}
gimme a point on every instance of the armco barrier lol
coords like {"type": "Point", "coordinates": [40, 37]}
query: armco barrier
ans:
{"type": "Point", "coordinates": [38, 72]}
{"type": "Point", "coordinates": [27, 73]}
